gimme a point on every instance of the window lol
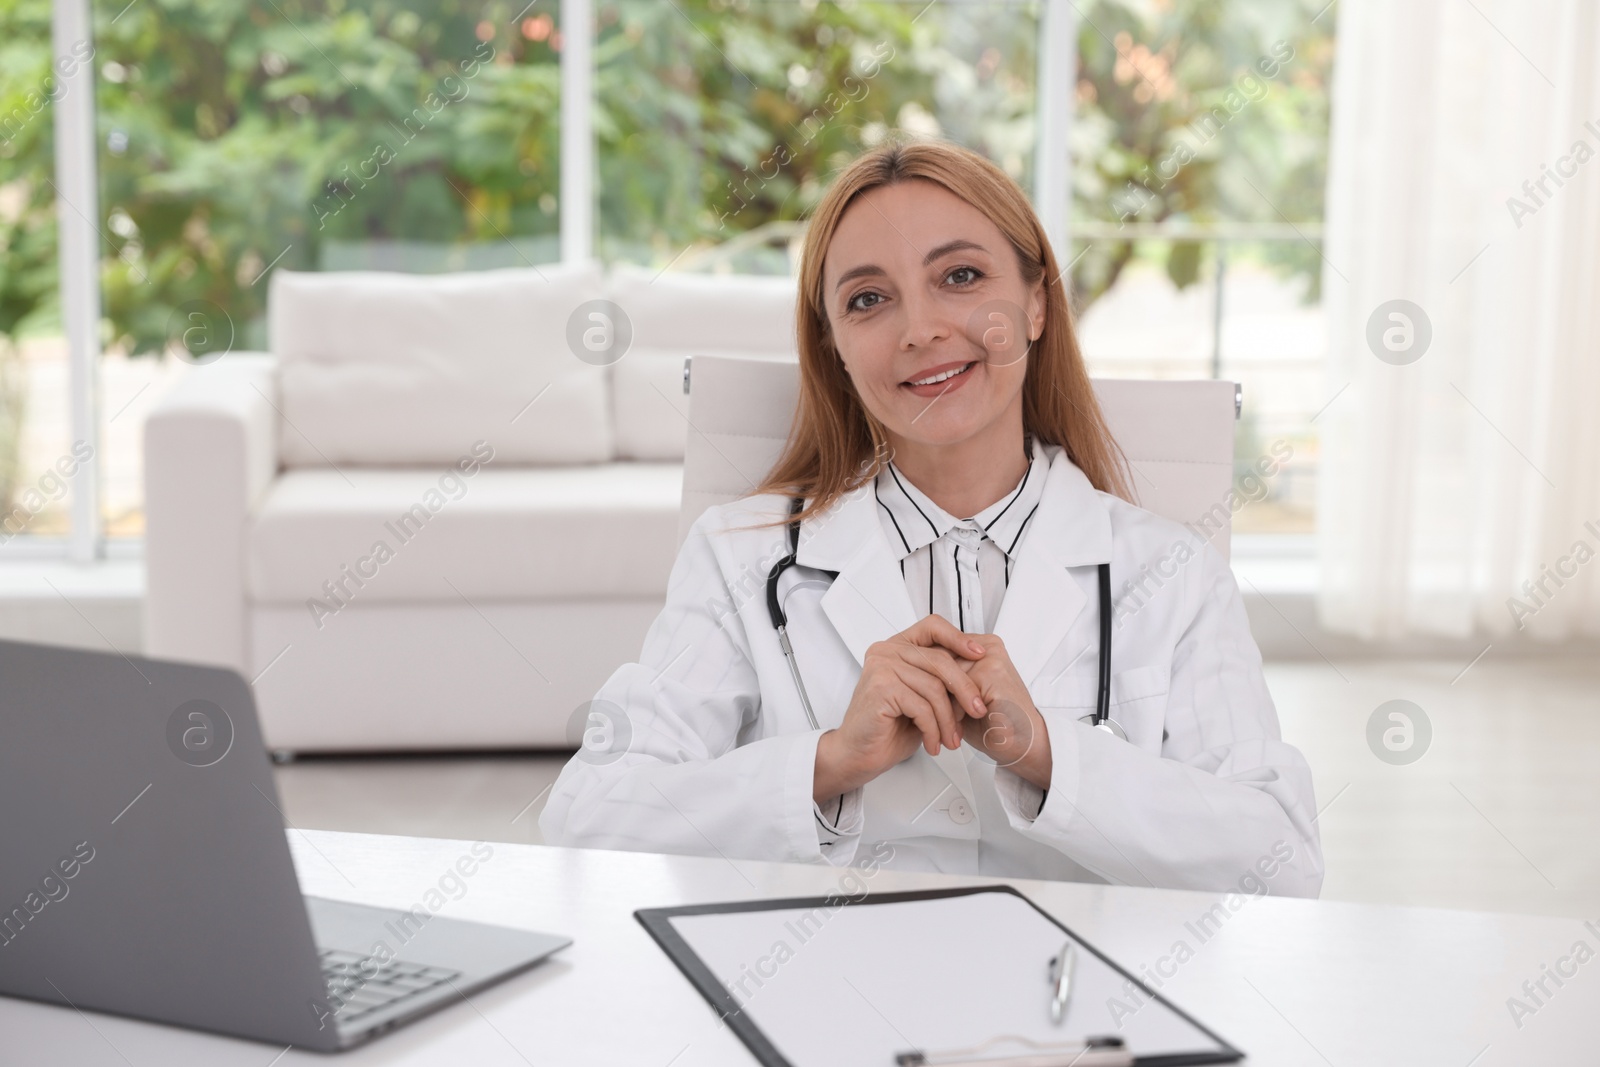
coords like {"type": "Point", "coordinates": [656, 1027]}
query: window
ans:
{"type": "Point", "coordinates": [241, 138]}
{"type": "Point", "coordinates": [720, 122]}
{"type": "Point", "coordinates": [1200, 156]}
{"type": "Point", "coordinates": [310, 135]}
{"type": "Point", "coordinates": [38, 463]}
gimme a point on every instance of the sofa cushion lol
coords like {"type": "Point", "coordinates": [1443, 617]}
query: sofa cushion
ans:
{"type": "Point", "coordinates": [500, 533]}
{"type": "Point", "coordinates": [406, 369]}
{"type": "Point", "coordinates": [501, 674]}
{"type": "Point", "coordinates": [690, 312]}
{"type": "Point", "coordinates": [675, 315]}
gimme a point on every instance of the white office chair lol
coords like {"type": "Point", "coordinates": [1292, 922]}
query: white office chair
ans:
{"type": "Point", "coordinates": [1177, 435]}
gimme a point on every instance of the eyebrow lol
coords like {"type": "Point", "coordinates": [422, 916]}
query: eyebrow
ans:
{"type": "Point", "coordinates": [957, 245]}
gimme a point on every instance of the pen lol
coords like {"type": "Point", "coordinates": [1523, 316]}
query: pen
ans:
{"type": "Point", "coordinates": [1061, 968]}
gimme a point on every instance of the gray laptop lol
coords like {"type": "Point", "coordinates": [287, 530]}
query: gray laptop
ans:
{"type": "Point", "coordinates": [144, 868]}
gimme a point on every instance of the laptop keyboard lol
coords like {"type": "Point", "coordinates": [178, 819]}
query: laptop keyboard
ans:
{"type": "Point", "coordinates": [359, 985]}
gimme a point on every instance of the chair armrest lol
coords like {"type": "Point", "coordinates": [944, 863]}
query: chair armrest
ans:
{"type": "Point", "coordinates": [210, 453]}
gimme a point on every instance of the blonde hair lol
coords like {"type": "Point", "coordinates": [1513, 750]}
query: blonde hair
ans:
{"type": "Point", "coordinates": [835, 444]}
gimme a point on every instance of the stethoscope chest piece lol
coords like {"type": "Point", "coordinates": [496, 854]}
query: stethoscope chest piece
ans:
{"type": "Point", "coordinates": [1110, 726]}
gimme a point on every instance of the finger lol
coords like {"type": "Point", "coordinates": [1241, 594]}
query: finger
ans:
{"type": "Point", "coordinates": [993, 647]}
{"type": "Point", "coordinates": [937, 631]}
{"type": "Point", "coordinates": [924, 695]}
{"type": "Point", "coordinates": [912, 705]}
{"type": "Point", "coordinates": [955, 676]}
{"type": "Point", "coordinates": [934, 635]}
{"type": "Point", "coordinates": [988, 641]}
{"type": "Point", "coordinates": [932, 689]}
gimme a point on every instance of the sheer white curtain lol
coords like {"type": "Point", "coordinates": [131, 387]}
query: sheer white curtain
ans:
{"type": "Point", "coordinates": [1451, 479]}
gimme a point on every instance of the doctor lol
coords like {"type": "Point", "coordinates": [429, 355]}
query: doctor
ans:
{"type": "Point", "coordinates": [957, 491]}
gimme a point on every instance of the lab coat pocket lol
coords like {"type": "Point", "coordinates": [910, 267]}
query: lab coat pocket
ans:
{"type": "Point", "coordinates": [1139, 704]}
{"type": "Point", "coordinates": [1138, 701]}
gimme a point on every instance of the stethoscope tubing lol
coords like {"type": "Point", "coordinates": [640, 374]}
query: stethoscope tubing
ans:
{"type": "Point", "coordinates": [1102, 707]}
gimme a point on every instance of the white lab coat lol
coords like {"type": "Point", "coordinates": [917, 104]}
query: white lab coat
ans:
{"type": "Point", "coordinates": [719, 756]}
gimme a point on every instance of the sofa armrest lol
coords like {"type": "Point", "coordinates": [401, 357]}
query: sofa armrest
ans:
{"type": "Point", "coordinates": [210, 453]}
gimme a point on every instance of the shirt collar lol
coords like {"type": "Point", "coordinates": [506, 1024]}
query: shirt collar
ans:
{"type": "Point", "coordinates": [918, 521]}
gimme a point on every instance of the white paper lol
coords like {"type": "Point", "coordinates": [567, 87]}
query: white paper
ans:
{"type": "Point", "coordinates": [854, 985]}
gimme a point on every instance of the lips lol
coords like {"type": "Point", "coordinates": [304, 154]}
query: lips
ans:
{"type": "Point", "coordinates": [949, 369]}
{"type": "Point", "coordinates": [959, 374]}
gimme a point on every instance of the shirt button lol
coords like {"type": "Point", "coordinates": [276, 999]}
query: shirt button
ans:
{"type": "Point", "coordinates": [960, 811]}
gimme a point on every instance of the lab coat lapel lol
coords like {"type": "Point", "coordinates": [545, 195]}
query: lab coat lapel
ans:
{"type": "Point", "coordinates": [868, 601]}
{"type": "Point", "coordinates": [1072, 528]}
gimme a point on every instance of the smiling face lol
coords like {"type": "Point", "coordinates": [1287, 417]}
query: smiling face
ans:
{"type": "Point", "coordinates": [931, 315]}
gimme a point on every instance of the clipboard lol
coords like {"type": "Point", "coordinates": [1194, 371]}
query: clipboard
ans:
{"type": "Point", "coordinates": [945, 976]}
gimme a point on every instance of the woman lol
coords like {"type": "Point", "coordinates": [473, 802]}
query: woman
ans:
{"type": "Point", "coordinates": [964, 488]}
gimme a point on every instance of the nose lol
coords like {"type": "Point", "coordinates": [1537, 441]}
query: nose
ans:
{"type": "Point", "coordinates": [926, 321]}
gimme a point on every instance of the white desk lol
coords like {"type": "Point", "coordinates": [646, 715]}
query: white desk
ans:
{"type": "Point", "coordinates": [1290, 982]}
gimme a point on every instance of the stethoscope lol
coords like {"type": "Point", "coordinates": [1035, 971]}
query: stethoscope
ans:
{"type": "Point", "coordinates": [1100, 718]}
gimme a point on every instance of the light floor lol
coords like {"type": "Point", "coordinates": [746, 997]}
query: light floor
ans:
{"type": "Point", "coordinates": [1502, 813]}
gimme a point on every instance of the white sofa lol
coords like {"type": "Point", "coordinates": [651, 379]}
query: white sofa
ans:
{"type": "Point", "coordinates": [422, 521]}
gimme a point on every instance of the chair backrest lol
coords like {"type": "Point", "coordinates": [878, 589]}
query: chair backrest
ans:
{"type": "Point", "coordinates": [1177, 435]}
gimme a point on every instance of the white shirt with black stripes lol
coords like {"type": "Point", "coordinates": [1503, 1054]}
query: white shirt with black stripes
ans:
{"type": "Point", "coordinates": [955, 568]}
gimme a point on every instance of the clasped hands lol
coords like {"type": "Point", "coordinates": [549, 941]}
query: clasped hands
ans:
{"type": "Point", "coordinates": [935, 686]}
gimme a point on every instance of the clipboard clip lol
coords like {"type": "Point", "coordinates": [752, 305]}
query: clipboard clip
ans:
{"type": "Point", "coordinates": [1091, 1052]}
